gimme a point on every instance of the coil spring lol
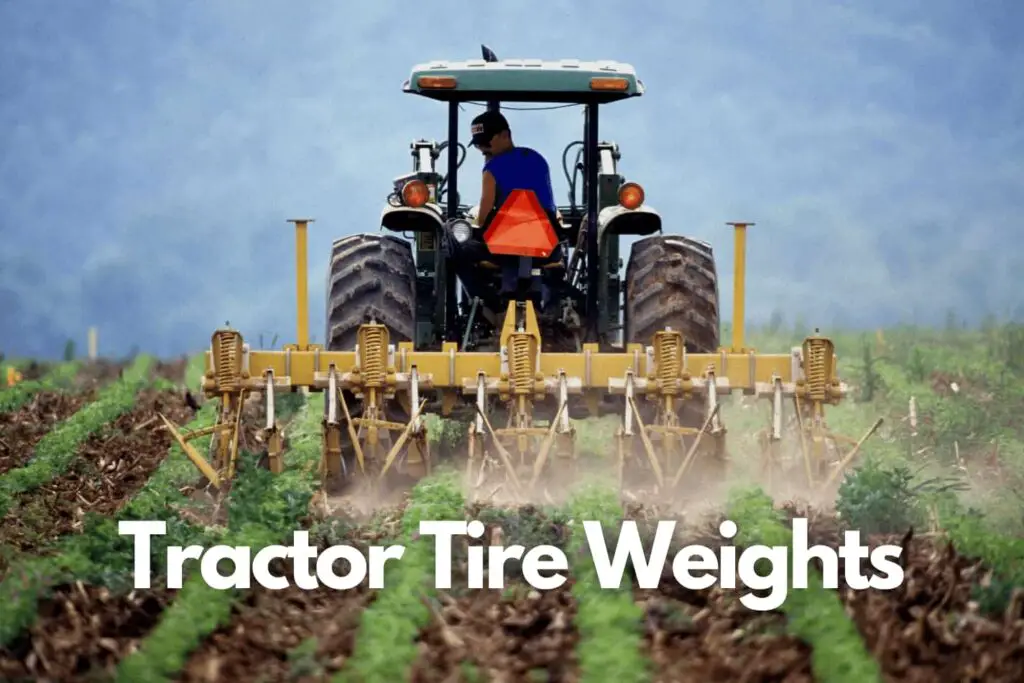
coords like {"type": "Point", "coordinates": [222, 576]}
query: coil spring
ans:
{"type": "Point", "coordinates": [372, 360]}
{"type": "Point", "coordinates": [669, 361]}
{"type": "Point", "coordinates": [520, 364]}
{"type": "Point", "coordinates": [227, 359]}
{"type": "Point", "coordinates": [816, 370]}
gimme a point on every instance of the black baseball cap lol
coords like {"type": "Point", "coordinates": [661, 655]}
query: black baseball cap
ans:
{"type": "Point", "coordinates": [486, 126]}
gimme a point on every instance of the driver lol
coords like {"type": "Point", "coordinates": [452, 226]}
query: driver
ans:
{"type": "Point", "coordinates": [508, 167]}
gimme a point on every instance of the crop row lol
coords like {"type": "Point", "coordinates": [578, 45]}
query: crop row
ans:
{"type": "Point", "coordinates": [386, 640]}
{"type": "Point", "coordinates": [57, 449]}
{"type": "Point", "coordinates": [608, 620]}
{"type": "Point", "coordinates": [815, 615]}
{"type": "Point", "coordinates": [60, 376]}
{"type": "Point", "coordinates": [99, 551]}
{"type": "Point", "coordinates": [264, 509]}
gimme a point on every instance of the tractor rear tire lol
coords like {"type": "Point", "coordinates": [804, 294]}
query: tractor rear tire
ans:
{"type": "Point", "coordinates": [672, 281]}
{"type": "Point", "coordinates": [371, 277]}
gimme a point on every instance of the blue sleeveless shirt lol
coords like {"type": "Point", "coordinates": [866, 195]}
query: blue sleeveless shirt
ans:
{"type": "Point", "coordinates": [522, 168]}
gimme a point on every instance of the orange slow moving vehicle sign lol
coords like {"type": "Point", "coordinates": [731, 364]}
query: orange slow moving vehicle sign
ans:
{"type": "Point", "coordinates": [521, 228]}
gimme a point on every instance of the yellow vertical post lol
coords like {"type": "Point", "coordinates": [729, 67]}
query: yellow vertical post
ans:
{"type": "Point", "coordinates": [93, 343]}
{"type": "Point", "coordinates": [739, 277]}
{"type": "Point", "coordinates": [301, 289]}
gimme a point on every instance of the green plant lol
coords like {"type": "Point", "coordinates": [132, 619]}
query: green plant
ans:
{"type": "Point", "coordinates": [59, 377]}
{"type": "Point", "coordinates": [917, 368]}
{"type": "Point", "coordinates": [878, 499]}
{"type": "Point", "coordinates": [609, 621]}
{"type": "Point", "coordinates": [870, 383]}
{"type": "Point", "coordinates": [264, 509]}
{"type": "Point", "coordinates": [100, 554]}
{"type": "Point", "coordinates": [1003, 554]}
{"type": "Point", "coordinates": [386, 642]}
{"type": "Point", "coordinates": [815, 614]}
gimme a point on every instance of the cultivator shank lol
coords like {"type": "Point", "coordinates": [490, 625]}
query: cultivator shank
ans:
{"type": "Point", "coordinates": [371, 378]}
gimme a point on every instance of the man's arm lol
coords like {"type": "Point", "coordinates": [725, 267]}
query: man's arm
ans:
{"type": "Point", "coordinates": [487, 197]}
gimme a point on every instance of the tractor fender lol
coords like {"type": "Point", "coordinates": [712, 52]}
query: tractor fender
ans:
{"type": "Point", "coordinates": [426, 218]}
{"type": "Point", "coordinates": [618, 220]}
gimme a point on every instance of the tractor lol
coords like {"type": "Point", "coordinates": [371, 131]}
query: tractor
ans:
{"type": "Point", "coordinates": [405, 278]}
{"type": "Point", "coordinates": [540, 330]}
{"type": "Point", "coordinates": [423, 301]}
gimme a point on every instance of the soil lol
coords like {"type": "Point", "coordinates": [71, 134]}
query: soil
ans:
{"type": "Point", "coordinates": [929, 630]}
{"type": "Point", "coordinates": [269, 625]}
{"type": "Point", "coordinates": [22, 429]}
{"type": "Point", "coordinates": [81, 631]}
{"type": "Point", "coordinates": [99, 372]}
{"type": "Point", "coordinates": [519, 635]}
{"type": "Point", "coordinates": [512, 635]}
{"type": "Point", "coordinates": [173, 370]}
{"type": "Point", "coordinates": [709, 635]}
{"type": "Point", "coordinates": [260, 641]}
{"type": "Point", "coordinates": [84, 631]}
{"type": "Point", "coordinates": [112, 465]}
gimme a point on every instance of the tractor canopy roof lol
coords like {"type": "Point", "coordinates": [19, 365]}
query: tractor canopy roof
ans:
{"type": "Point", "coordinates": [525, 80]}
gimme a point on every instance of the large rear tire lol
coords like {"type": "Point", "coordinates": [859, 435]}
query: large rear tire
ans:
{"type": "Point", "coordinates": [371, 277]}
{"type": "Point", "coordinates": [672, 281]}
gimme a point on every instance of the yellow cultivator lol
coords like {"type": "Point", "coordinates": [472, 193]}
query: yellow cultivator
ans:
{"type": "Point", "coordinates": [517, 384]}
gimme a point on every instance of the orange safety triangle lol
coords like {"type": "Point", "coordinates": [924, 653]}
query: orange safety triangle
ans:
{"type": "Point", "coordinates": [521, 228]}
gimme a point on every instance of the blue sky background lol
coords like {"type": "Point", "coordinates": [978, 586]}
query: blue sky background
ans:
{"type": "Point", "coordinates": [151, 151]}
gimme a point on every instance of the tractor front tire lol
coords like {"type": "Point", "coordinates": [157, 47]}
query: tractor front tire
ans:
{"type": "Point", "coordinates": [672, 281]}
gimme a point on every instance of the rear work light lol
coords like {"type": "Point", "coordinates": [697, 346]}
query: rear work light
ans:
{"type": "Point", "coordinates": [631, 196]}
{"type": "Point", "coordinates": [415, 193]}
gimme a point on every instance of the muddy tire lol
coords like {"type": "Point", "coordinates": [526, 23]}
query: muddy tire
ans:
{"type": "Point", "coordinates": [371, 276]}
{"type": "Point", "coordinates": [672, 281]}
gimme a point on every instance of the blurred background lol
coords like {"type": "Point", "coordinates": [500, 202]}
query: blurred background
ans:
{"type": "Point", "coordinates": [151, 152]}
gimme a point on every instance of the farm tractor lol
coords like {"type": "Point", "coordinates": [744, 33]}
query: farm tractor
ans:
{"type": "Point", "coordinates": [511, 322]}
